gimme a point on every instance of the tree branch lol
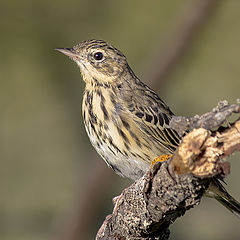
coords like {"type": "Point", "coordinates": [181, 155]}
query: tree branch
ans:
{"type": "Point", "coordinates": [147, 208]}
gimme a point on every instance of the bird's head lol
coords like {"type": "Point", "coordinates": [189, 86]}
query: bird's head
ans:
{"type": "Point", "coordinates": [98, 61]}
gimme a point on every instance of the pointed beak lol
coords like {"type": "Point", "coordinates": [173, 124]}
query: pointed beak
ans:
{"type": "Point", "coordinates": [70, 52]}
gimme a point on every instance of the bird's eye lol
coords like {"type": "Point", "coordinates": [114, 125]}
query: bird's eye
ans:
{"type": "Point", "coordinates": [98, 56]}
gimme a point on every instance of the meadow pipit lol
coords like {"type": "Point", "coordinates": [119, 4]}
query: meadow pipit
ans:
{"type": "Point", "coordinates": [126, 121]}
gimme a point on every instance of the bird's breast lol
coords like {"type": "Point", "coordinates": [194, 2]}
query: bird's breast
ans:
{"type": "Point", "coordinates": [113, 134]}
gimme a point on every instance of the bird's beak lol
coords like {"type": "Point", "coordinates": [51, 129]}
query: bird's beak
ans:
{"type": "Point", "coordinates": [70, 52]}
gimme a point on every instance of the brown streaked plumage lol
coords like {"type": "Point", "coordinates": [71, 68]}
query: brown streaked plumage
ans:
{"type": "Point", "coordinates": [126, 121]}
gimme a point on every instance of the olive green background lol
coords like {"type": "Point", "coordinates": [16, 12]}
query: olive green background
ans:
{"type": "Point", "coordinates": [47, 161]}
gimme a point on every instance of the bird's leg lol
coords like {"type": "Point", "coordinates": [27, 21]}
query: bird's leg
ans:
{"type": "Point", "coordinates": [161, 158]}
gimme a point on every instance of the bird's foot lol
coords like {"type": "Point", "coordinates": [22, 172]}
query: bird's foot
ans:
{"type": "Point", "coordinates": [161, 158]}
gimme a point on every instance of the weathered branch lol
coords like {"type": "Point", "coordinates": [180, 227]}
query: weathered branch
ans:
{"type": "Point", "coordinates": [147, 208]}
{"type": "Point", "coordinates": [209, 120]}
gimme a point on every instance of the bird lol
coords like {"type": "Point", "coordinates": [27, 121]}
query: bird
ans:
{"type": "Point", "coordinates": [126, 121]}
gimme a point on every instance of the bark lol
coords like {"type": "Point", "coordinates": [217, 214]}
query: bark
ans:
{"type": "Point", "coordinates": [146, 209]}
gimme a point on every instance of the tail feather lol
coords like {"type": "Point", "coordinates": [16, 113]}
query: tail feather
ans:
{"type": "Point", "coordinates": [217, 191]}
{"type": "Point", "coordinates": [230, 204]}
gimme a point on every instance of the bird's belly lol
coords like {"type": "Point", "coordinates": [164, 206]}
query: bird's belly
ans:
{"type": "Point", "coordinates": [122, 162]}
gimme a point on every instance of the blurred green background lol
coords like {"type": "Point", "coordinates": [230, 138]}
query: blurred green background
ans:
{"type": "Point", "coordinates": [52, 183]}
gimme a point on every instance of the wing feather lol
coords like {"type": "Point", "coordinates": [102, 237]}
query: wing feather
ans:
{"type": "Point", "coordinates": [153, 117]}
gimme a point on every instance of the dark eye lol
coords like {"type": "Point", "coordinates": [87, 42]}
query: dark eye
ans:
{"type": "Point", "coordinates": [98, 56]}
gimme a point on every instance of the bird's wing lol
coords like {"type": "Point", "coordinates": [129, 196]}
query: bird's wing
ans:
{"type": "Point", "coordinates": [152, 116]}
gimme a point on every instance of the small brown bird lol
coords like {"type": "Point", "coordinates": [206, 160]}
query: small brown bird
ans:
{"type": "Point", "coordinates": [126, 121]}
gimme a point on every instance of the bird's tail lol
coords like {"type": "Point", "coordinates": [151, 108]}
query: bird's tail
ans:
{"type": "Point", "coordinates": [217, 191]}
